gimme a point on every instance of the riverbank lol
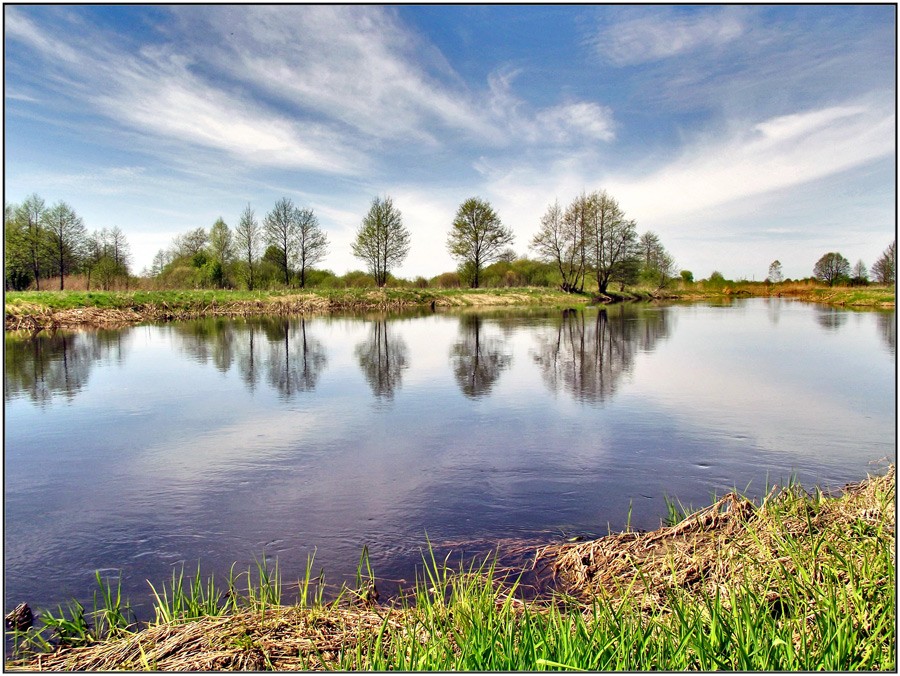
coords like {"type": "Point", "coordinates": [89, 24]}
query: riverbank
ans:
{"type": "Point", "coordinates": [804, 581]}
{"type": "Point", "coordinates": [37, 310]}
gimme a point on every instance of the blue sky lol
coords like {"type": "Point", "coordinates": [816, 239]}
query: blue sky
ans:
{"type": "Point", "coordinates": [739, 134]}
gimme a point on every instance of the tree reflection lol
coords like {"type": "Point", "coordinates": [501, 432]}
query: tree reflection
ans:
{"type": "Point", "coordinates": [477, 359]}
{"type": "Point", "coordinates": [887, 329]}
{"type": "Point", "coordinates": [295, 359]}
{"type": "Point", "coordinates": [830, 318]}
{"type": "Point", "coordinates": [587, 356]}
{"type": "Point", "coordinates": [382, 357]}
{"type": "Point", "coordinates": [60, 363]}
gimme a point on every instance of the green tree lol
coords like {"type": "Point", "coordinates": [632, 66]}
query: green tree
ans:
{"type": "Point", "coordinates": [221, 249]}
{"type": "Point", "coordinates": [477, 237]}
{"type": "Point", "coordinates": [248, 238]}
{"type": "Point", "coordinates": [831, 268]}
{"type": "Point", "coordinates": [382, 240]}
{"type": "Point", "coordinates": [30, 215]}
{"type": "Point", "coordinates": [16, 260]}
{"type": "Point", "coordinates": [66, 237]}
{"type": "Point", "coordinates": [885, 268]}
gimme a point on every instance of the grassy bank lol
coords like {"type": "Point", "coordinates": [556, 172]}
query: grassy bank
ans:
{"type": "Point", "coordinates": [804, 581]}
{"type": "Point", "coordinates": [36, 310]}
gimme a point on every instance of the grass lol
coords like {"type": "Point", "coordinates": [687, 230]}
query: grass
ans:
{"type": "Point", "coordinates": [805, 581]}
{"type": "Point", "coordinates": [34, 310]}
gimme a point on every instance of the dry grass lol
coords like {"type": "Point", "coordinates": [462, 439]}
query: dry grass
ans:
{"type": "Point", "coordinates": [283, 638]}
{"type": "Point", "coordinates": [730, 541]}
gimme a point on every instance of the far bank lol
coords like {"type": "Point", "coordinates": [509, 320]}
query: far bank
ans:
{"type": "Point", "coordinates": [38, 310]}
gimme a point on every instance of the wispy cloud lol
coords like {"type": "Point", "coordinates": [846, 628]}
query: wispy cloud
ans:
{"type": "Point", "coordinates": [660, 36]}
{"type": "Point", "coordinates": [155, 92]}
{"type": "Point", "coordinates": [760, 158]}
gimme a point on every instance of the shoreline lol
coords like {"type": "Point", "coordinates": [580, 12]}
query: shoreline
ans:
{"type": "Point", "coordinates": [36, 311]}
{"type": "Point", "coordinates": [746, 577]}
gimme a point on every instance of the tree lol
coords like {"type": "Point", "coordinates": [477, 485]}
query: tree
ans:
{"type": "Point", "coordinates": [885, 269]}
{"type": "Point", "coordinates": [18, 272]}
{"type": "Point", "coordinates": [30, 215]}
{"type": "Point", "coordinates": [312, 243]}
{"type": "Point", "coordinates": [221, 250]}
{"type": "Point", "coordinates": [612, 240]}
{"type": "Point", "coordinates": [477, 237]}
{"type": "Point", "coordinates": [281, 233]}
{"type": "Point", "coordinates": [775, 273]}
{"type": "Point", "coordinates": [248, 238]}
{"type": "Point", "coordinates": [382, 240]}
{"type": "Point", "coordinates": [189, 244]}
{"type": "Point", "coordinates": [558, 243]}
{"type": "Point", "coordinates": [66, 236]}
{"type": "Point", "coordinates": [831, 267]}
{"type": "Point", "coordinates": [119, 250]}
{"type": "Point", "coordinates": [860, 274]}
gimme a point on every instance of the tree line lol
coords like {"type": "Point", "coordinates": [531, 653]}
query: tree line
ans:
{"type": "Point", "coordinates": [589, 240]}
{"type": "Point", "coordinates": [43, 242]}
{"type": "Point", "coordinates": [588, 244]}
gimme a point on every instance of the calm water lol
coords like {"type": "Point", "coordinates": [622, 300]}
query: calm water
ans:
{"type": "Point", "coordinates": [213, 441]}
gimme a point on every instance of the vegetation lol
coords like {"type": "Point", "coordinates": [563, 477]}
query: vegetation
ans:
{"type": "Point", "coordinates": [803, 582]}
{"type": "Point", "coordinates": [382, 240]}
{"type": "Point", "coordinates": [477, 238]}
{"type": "Point", "coordinates": [831, 268]}
{"type": "Point", "coordinates": [885, 268]}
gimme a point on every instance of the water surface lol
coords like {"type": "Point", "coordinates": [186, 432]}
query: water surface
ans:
{"type": "Point", "coordinates": [217, 440]}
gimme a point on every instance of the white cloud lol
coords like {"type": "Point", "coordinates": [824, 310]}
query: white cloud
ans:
{"type": "Point", "coordinates": [155, 92]}
{"type": "Point", "coordinates": [652, 38]}
{"type": "Point", "coordinates": [760, 158]}
{"type": "Point", "coordinates": [563, 124]}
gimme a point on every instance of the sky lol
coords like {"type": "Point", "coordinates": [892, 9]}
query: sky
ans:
{"type": "Point", "coordinates": [738, 134]}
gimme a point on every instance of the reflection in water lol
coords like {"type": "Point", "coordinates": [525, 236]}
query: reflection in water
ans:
{"type": "Point", "coordinates": [587, 356]}
{"type": "Point", "coordinates": [887, 329]}
{"type": "Point", "coordinates": [292, 363]}
{"type": "Point", "coordinates": [296, 360]}
{"type": "Point", "coordinates": [382, 357]}
{"type": "Point", "coordinates": [57, 364]}
{"type": "Point", "coordinates": [477, 360]}
{"type": "Point", "coordinates": [831, 319]}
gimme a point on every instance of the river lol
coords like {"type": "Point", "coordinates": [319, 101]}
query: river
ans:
{"type": "Point", "coordinates": [217, 441]}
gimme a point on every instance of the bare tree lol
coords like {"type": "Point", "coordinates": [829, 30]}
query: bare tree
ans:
{"type": "Point", "coordinates": [612, 239]}
{"type": "Point", "coordinates": [189, 244]}
{"type": "Point", "coordinates": [859, 276]}
{"type": "Point", "coordinates": [775, 274]}
{"type": "Point", "coordinates": [247, 236]}
{"type": "Point", "coordinates": [312, 242]}
{"type": "Point", "coordinates": [557, 242]}
{"type": "Point", "coordinates": [281, 233]}
{"type": "Point", "coordinates": [382, 240]}
{"type": "Point", "coordinates": [477, 237]}
{"type": "Point", "coordinates": [885, 268]}
{"type": "Point", "coordinates": [66, 235]}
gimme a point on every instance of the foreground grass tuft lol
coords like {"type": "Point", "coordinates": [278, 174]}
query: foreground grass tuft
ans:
{"type": "Point", "coordinates": [805, 581]}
